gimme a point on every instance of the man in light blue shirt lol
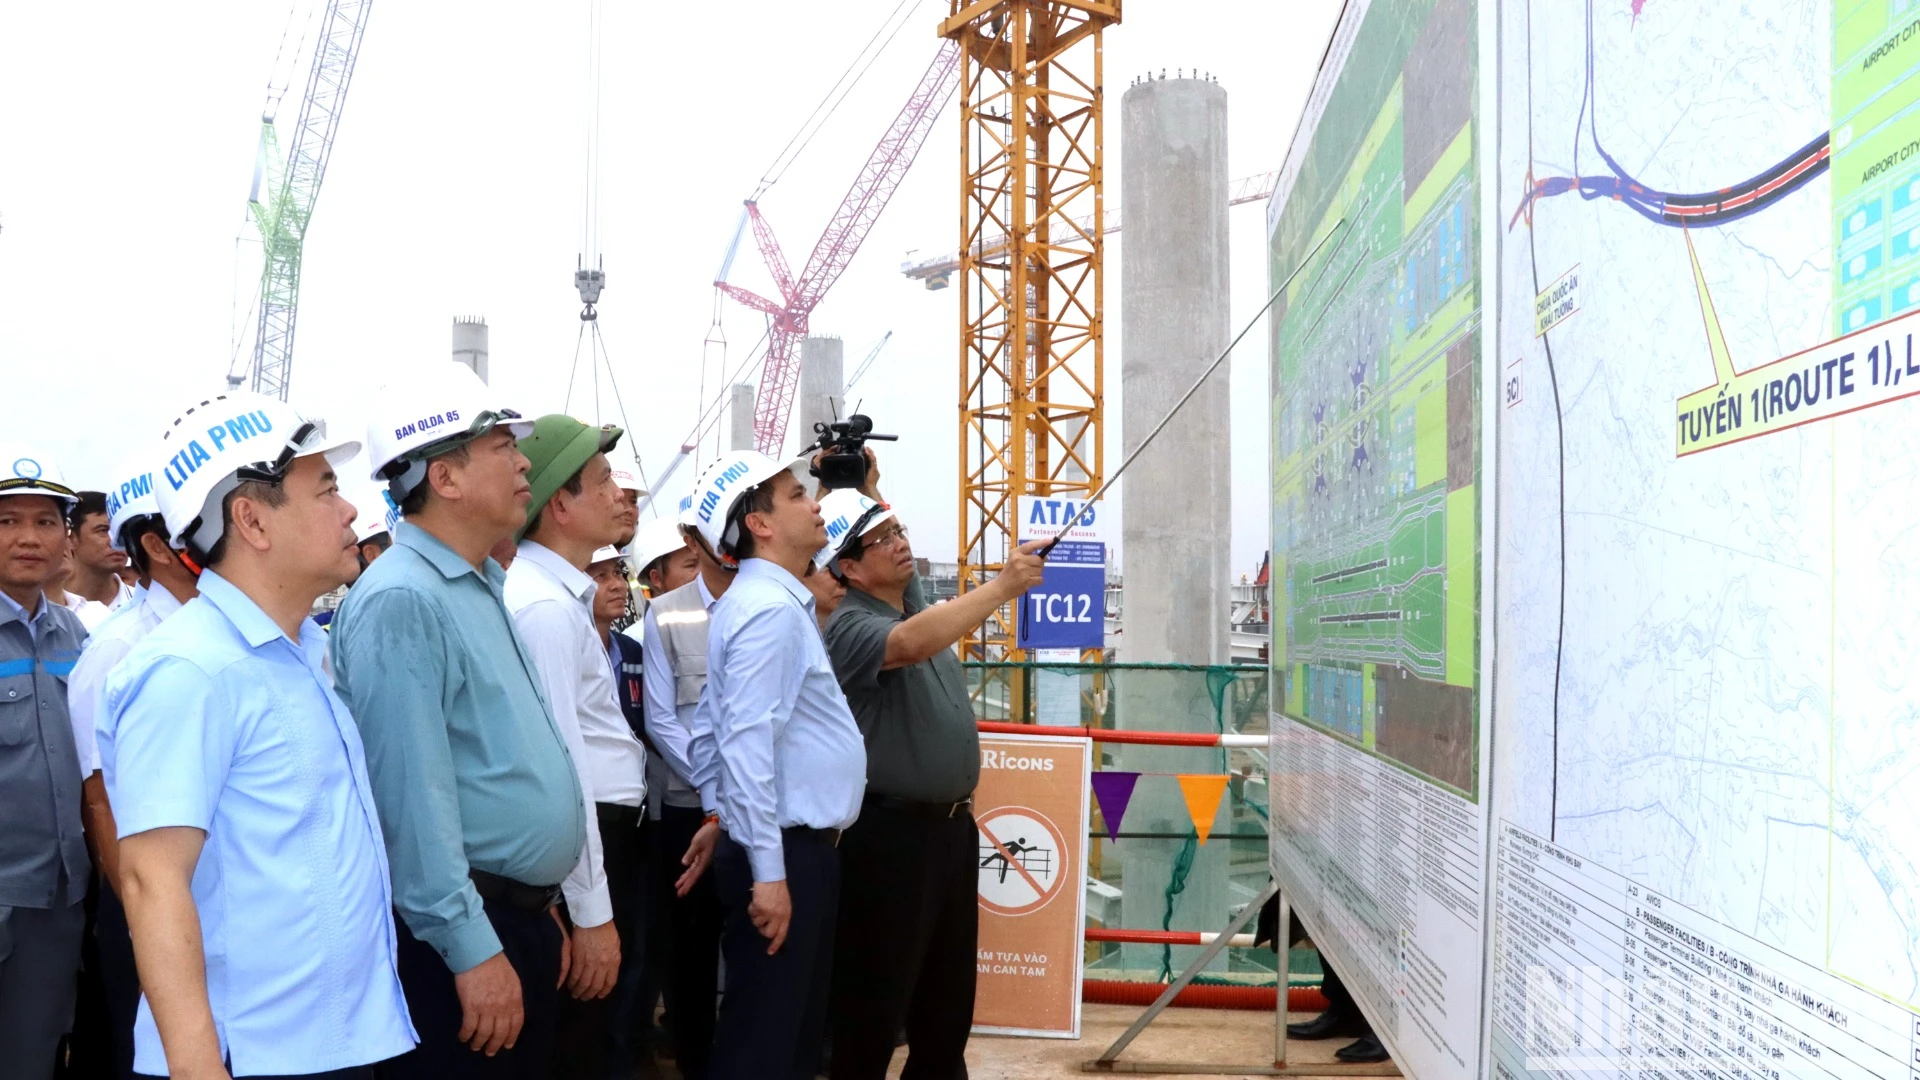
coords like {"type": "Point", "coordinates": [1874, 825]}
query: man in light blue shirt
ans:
{"type": "Point", "coordinates": [251, 859]}
{"type": "Point", "coordinates": [792, 769]}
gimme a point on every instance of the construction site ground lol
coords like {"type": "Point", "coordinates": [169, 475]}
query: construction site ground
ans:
{"type": "Point", "coordinates": [1201, 1036]}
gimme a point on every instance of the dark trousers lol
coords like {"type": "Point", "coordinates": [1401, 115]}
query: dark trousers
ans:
{"type": "Point", "coordinates": [773, 1017]}
{"type": "Point", "coordinates": [1339, 1000]}
{"type": "Point", "coordinates": [583, 1032]}
{"type": "Point", "coordinates": [87, 1053]}
{"type": "Point", "coordinates": [688, 944]}
{"type": "Point", "coordinates": [39, 966]}
{"type": "Point", "coordinates": [531, 941]}
{"type": "Point", "coordinates": [101, 1046]}
{"type": "Point", "coordinates": [637, 991]}
{"type": "Point", "coordinates": [910, 914]}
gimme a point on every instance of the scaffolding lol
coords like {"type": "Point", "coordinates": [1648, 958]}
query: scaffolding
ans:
{"type": "Point", "coordinates": [1031, 352]}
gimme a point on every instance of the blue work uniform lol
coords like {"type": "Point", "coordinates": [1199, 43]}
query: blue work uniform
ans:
{"type": "Point", "coordinates": [217, 721]}
{"type": "Point", "coordinates": [792, 770]}
{"type": "Point", "coordinates": [43, 855]}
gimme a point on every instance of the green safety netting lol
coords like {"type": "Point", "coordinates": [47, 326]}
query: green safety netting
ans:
{"type": "Point", "coordinates": [1158, 874]}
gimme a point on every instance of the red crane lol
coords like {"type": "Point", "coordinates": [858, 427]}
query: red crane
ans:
{"type": "Point", "coordinates": [878, 178]}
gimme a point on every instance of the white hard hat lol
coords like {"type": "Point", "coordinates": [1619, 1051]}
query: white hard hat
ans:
{"type": "Point", "coordinates": [605, 554]}
{"type": "Point", "coordinates": [657, 537]}
{"type": "Point", "coordinates": [366, 527]}
{"type": "Point", "coordinates": [848, 514]}
{"type": "Point", "coordinates": [213, 446]}
{"type": "Point", "coordinates": [24, 472]}
{"type": "Point", "coordinates": [434, 413]}
{"type": "Point", "coordinates": [719, 487]}
{"type": "Point", "coordinates": [132, 497]}
{"type": "Point", "coordinates": [626, 481]}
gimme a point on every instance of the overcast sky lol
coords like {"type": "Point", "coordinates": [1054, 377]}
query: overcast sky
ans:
{"type": "Point", "coordinates": [127, 144]}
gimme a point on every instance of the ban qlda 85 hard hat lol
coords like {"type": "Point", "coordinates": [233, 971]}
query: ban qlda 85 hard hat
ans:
{"type": "Point", "coordinates": [419, 419]}
{"type": "Point", "coordinates": [23, 471]}
{"type": "Point", "coordinates": [212, 447]}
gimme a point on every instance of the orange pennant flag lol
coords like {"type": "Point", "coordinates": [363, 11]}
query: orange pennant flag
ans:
{"type": "Point", "coordinates": [1203, 799]}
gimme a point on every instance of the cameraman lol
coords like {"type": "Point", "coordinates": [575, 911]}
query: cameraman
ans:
{"type": "Point", "coordinates": [909, 864]}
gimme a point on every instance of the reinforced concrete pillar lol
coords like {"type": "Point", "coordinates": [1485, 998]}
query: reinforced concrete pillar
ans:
{"type": "Point", "coordinates": [740, 417]}
{"type": "Point", "coordinates": [470, 343]}
{"type": "Point", "coordinates": [823, 385]}
{"type": "Point", "coordinates": [1175, 500]}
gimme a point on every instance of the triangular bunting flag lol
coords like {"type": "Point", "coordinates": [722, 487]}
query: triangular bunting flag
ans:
{"type": "Point", "coordinates": [1203, 800]}
{"type": "Point", "coordinates": [1113, 790]}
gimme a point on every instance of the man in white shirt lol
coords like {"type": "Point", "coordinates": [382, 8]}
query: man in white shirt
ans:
{"type": "Point", "coordinates": [164, 585]}
{"type": "Point", "coordinates": [96, 561]}
{"type": "Point", "coordinates": [577, 509]}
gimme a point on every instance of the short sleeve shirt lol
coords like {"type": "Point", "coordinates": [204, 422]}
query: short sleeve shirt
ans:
{"type": "Point", "coordinates": [917, 720]}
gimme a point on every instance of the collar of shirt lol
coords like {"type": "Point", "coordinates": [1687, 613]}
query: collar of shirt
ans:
{"type": "Point", "coordinates": [707, 598]}
{"type": "Point", "coordinates": [159, 600]}
{"type": "Point", "coordinates": [11, 610]}
{"type": "Point", "coordinates": [754, 569]}
{"type": "Point", "coordinates": [445, 559]}
{"type": "Point", "coordinates": [253, 625]}
{"type": "Point", "coordinates": [571, 579]}
{"type": "Point", "coordinates": [869, 602]}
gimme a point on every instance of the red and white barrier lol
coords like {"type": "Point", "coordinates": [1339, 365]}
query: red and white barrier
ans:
{"type": "Point", "coordinates": [1149, 738]}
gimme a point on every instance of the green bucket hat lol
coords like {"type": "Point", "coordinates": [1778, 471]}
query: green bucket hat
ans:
{"type": "Point", "coordinates": [558, 448]}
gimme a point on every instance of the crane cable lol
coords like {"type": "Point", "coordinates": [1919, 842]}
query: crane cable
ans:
{"type": "Point", "coordinates": [590, 337]}
{"type": "Point", "coordinates": [836, 96]}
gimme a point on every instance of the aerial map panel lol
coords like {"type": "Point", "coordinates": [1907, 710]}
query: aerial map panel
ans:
{"type": "Point", "coordinates": [1706, 826]}
{"type": "Point", "coordinates": [1378, 818]}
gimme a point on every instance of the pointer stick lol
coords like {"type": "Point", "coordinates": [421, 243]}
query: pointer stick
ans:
{"type": "Point", "coordinates": [1194, 389]}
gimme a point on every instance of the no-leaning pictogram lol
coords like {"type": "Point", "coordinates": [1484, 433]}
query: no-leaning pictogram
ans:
{"type": "Point", "coordinates": [1022, 858]}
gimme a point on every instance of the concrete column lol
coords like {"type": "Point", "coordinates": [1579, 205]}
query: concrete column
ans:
{"type": "Point", "coordinates": [740, 417]}
{"type": "Point", "coordinates": [470, 343]}
{"type": "Point", "coordinates": [823, 386]}
{"type": "Point", "coordinates": [1176, 521]}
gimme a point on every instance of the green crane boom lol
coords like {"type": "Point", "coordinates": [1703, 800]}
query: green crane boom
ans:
{"type": "Point", "coordinates": [285, 190]}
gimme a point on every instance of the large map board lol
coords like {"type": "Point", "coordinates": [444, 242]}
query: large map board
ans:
{"type": "Point", "coordinates": [1621, 628]}
{"type": "Point", "coordinates": [1378, 820]}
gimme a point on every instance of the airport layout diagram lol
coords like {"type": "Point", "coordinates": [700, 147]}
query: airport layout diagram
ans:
{"type": "Point", "coordinates": [1707, 499]}
{"type": "Point", "coordinates": [1376, 359]}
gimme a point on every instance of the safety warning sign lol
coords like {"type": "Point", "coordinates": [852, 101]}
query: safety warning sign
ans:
{"type": "Point", "coordinates": [1030, 829]}
{"type": "Point", "coordinates": [1020, 866]}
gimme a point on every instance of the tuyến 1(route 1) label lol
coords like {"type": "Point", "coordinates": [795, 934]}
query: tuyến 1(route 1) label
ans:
{"type": "Point", "coordinates": [1869, 367]}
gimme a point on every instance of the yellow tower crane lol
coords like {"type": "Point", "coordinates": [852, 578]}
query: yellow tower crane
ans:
{"type": "Point", "coordinates": [1031, 325]}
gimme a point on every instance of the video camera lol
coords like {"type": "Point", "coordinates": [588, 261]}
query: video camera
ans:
{"type": "Point", "coordinates": [844, 442]}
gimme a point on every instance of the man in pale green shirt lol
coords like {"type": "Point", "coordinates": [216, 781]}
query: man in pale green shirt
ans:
{"type": "Point", "coordinates": [478, 798]}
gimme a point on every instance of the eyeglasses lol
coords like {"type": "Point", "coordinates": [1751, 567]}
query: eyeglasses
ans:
{"type": "Point", "coordinates": [887, 536]}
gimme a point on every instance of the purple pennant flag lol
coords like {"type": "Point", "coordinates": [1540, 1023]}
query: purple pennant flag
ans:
{"type": "Point", "coordinates": [1113, 790]}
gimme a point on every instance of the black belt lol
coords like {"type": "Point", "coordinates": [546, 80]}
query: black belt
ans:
{"type": "Point", "coordinates": [512, 893]}
{"type": "Point", "coordinates": [808, 832]}
{"type": "Point", "coordinates": [922, 809]}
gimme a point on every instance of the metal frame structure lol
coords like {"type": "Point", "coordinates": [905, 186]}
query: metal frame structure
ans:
{"type": "Point", "coordinates": [788, 317]}
{"type": "Point", "coordinates": [1109, 1059]}
{"type": "Point", "coordinates": [292, 187]}
{"type": "Point", "coordinates": [1031, 321]}
{"type": "Point", "coordinates": [937, 271]}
